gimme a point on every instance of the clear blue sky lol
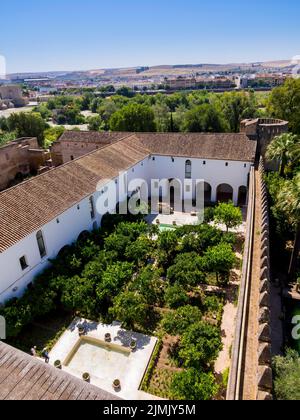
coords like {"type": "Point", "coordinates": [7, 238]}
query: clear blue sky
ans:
{"type": "Point", "coordinates": [87, 34]}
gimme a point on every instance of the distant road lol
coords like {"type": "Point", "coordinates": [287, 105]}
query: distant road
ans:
{"type": "Point", "coordinates": [7, 112]}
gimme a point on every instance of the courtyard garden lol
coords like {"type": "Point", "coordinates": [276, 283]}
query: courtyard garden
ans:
{"type": "Point", "coordinates": [169, 284]}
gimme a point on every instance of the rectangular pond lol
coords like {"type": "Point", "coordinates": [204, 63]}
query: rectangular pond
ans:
{"type": "Point", "coordinates": [103, 360]}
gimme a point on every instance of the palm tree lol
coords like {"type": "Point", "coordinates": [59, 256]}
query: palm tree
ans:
{"type": "Point", "coordinates": [296, 153]}
{"type": "Point", "coordinates": [281, 149]}
{"type": "Point", "coordinates": [289, 202]}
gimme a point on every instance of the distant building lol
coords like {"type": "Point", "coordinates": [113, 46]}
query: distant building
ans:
{"type": "Point", "coordinates": [74, 144]}
{"type": "Point", "coordinates": [181, 83]}
{"type": "Point", "coordinates": [46, 213]}
{"type": "Point", "coordinates": [21, 158]}
{"type": "Point", "coordinates": [13, 94]}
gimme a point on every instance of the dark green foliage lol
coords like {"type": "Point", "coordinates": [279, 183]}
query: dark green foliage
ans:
{"type": "Point", "coordinates": [199, 345]}
{"type": "Point", "coordinates": [287, 376]}
{"type": "Point", "coordinates": [113, 280]}
{"type": "Point", "coordinates": [188, 270]}
{"type": "Point", "coordinates": [134, 118]}
{"type": "Point", "coordinates": [129, 308]}
{"type": "Point", "coordinates": [149, 285]}
{"type": "Point", "coordinates": [220, 259]}
{"type": "Point", "coordinates": [177, 322]}
{"type": "Point", "coordinates": [193, 385]}
{"type": "Point", "coordinates": [176, 296]}
{"type": "Point", "coordinates": [27, 125]}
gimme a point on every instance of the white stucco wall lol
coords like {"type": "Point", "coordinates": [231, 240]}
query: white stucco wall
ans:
{"type": "Point", "coordinates": [72, 222]}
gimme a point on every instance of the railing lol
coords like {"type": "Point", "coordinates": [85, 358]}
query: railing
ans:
{"type": "Point", "coordinates": [235, 385]}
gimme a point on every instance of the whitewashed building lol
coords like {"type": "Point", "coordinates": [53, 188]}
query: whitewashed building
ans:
{"type": "Point", "coordinates": [44, 214]}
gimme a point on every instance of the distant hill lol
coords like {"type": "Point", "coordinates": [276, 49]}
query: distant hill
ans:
{"type": "Point", "coordinates": [160, 70]}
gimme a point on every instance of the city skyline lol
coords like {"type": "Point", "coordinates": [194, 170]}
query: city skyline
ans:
{"type": "Point", "coordinates": [60, 37]}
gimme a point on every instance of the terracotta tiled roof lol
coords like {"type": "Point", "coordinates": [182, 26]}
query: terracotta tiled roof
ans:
{"type": "Point", "coordinates": [226, 146]}
{"type": "Point", "coordinates": [26, 207]}
{"type": "Point", "coordinates": [23, 377]}
{"type": "Point", "coordinates": [92, 136]}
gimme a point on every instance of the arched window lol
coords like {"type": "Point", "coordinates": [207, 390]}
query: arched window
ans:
{"type": "Point", "coordinates": [188, 169]}
{"type": "Point", "coordinates": [92, 207]}
{"type": "Point", "coordinates": [41, 243]}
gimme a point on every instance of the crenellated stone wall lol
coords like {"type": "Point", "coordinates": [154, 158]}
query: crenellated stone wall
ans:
{"type": "Point", "coordinates": [264, 374]}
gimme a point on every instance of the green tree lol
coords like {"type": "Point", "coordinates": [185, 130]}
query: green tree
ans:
{"type": "Point", "coordinates": [220, 259]}
{"type": "Point", "coordinates": [204, 118]}
{"type": "Point", "coordinates": [284, 103]}
{"type": "Point", "coordinates": [176, 296]}
{"type": "Point", "coordinates": [129, 308]}
{"type": "Point", "coordinates": [94, 123]}
{"type": "Point", "coordinates": [281, 149]}
{"type": "Point", "coordinates": [177, 322]}
{"type": "Point", "coordinates": [229, 215]}
{"type": "Point", "coordinates": [125, 91]}
{"type": "Point", "coordinates": [140, 250]}
{"type": "Point", "coordinates": [200, 345]}
{"type": "Point", "coordinates": [52, 134]}
{"type": "Point", "coordinates": [193, 385]}
{"type": "Point", "coordinates": [188, 270]}
{"type": "Point", "coordinates": [237, 106]}
{"type": "Point", "coordinates": [79, 295]}
{"type": "Point", "coordinates": [113, 280]}
{"type": "Point", "coordinates": [167, 247]}
{"type": "Point", "coordinates": [27, 124]}
{"type": "Point", "coordinates": [289, 202]}
{"type": "Point", "coordinates": [287, 376]}
{"type": "Point", "coordinates": [134, 118]}
{"type": "Point", "coordinates": [148, 284]}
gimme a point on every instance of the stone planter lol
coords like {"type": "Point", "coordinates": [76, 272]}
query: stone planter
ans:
{"type": "Point", "coordinates": [107, 338]}
{"type": "Point", "coordinates": [57, 364]}
{"type": "Point", "coordinates": [133, 345]}
{"type": "Point", "coordinates": [81, 330]}
{"type": "Point", "coordinates": [86, 377]}
{"type": "Point", "coordinates": [116, 384]}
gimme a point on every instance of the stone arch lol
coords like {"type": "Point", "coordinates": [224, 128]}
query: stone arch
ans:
{"type": "Point", "coordinates": [63, 251]}
{"type": "Point", "coordinates": [224, 193]}
{"type": "Point", "coordinates": [242, 196]}
{"type": "Point", "coordinates": [83, 235]}
{"type": "Point", "coordinates": [207, 192]}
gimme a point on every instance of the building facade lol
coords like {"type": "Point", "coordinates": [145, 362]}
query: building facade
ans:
{"type": "Point", "coordinates": [43, 215]}
{"type": "Point", "coordinates": [20, 158]}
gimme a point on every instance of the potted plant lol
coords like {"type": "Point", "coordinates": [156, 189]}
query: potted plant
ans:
{"type": "Point", "coordinates": [58, 364]}
{"type": "Point", "coordinates": [116, 384]}
{"type": "Point", "coordinates": [86, 377]}
{"type": "Point", "coordinates": [133, 345]}
{"type": "Point", "coordinates": [108, 338]}
{"type": "Point", "coordinates": [81, 330]}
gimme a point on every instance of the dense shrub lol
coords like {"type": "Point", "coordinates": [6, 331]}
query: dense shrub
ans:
{"type": "Point", "coordinates": [176, 296]}
{"type": "Point", "coordinates": [193, 384]}
{"type": "Point", "coordinates": [199, 345]}
{"type": "Point", "coordinates": [176, 322]}
{"type": "Point", "coordinates": [188, 270]}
